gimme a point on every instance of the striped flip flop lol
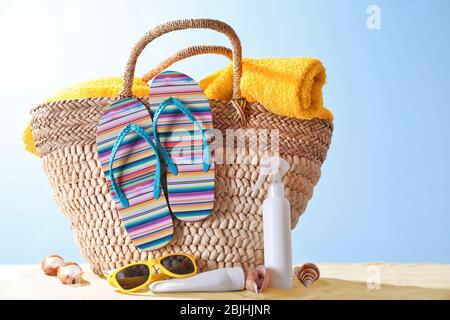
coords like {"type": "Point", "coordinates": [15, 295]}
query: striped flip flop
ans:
{"type": "Point", "coordinates": [182, 124]}
{"type": "Point", "coordinates": [132, 167]}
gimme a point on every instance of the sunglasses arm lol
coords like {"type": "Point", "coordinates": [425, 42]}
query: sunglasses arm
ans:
{"type": "Point", "coordinates": [110, 279]}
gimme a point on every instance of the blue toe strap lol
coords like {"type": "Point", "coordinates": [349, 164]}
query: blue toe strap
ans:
{"type": "Point", "coordinates": [175, 102]}
{"type": "Point", "coordinates": [141, 132]}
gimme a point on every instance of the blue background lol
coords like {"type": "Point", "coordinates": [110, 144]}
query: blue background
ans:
{"type": "Point", "coordinates": [384, 192]}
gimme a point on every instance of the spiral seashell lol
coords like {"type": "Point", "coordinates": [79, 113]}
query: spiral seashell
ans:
{"type": "Point", "coordinates": [70, 273]}
{"type": "Point", "coordinates": [257, 279]}
{"type": "Point", "coordinates": [51, 264]}
{"type": "Point", "coordinates": [307, 273]}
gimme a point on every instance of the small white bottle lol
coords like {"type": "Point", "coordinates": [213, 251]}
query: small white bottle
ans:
{"type": "Point", "coordinates": [225, 279]}
{"type": "Point", "coordinates": [277, 224]}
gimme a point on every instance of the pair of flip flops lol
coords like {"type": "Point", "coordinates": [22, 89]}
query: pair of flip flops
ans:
{"type": "Point", "coordinates": [135, 144]}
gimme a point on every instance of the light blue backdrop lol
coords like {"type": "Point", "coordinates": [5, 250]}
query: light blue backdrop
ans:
{"type": "Point", "coordinates": [384, 192]}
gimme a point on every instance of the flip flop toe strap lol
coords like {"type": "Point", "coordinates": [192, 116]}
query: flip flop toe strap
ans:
{"type": "Point", "coordinates": [175, 102]}
{"type": "Point", "coordinates": [141, 132]}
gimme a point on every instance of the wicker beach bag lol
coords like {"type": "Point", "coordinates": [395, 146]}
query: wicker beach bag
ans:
{"type": "Point", "coordinates": [64, 133]}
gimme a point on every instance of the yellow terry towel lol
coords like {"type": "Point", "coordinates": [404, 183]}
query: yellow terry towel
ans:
{"type": "Point", "coordinates": [286, 86]}
{"type": "Point", "coordinates": [103, 87]}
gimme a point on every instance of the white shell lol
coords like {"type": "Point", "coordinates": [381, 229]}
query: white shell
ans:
{"type": "Point", "coordinates": [257, 279]}
{"type": "Point", "coordinates": [70, 273]}
{"type": "Point", "coordinates": [51, 264]}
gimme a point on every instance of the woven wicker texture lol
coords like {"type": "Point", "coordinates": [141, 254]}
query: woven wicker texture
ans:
{"type": "Point", "coordinates": [64, 132]}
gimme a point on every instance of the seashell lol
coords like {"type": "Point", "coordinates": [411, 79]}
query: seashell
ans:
{"type": "Point", "coordinates": [51, 264]}
{"type": "Point", "coordinates": [307, 273]}
{"type": "Point", "coordinates": [70, 273]}
{"type": "Point", "coordinates": [257, 279]}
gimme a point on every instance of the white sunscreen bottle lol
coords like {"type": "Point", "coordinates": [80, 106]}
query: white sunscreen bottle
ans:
{"type": "Point", "coordinates": [277, 224]}
{"type": "Point", "coordinates": [225, 279]}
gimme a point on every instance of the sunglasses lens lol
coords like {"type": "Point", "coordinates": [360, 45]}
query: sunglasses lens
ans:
{"type": "Point", "coordinates": [133, 276]}
{"type": "Point", "coordinates": [178, 264]}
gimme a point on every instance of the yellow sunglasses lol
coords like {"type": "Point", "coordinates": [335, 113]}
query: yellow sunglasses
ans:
{"type": "Point", "coordinates": [137, 276]}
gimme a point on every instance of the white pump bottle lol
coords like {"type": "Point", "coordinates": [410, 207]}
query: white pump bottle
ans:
{"type": "Point", "coordinates": [277, 224]}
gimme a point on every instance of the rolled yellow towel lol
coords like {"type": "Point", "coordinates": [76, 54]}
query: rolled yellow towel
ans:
{"type": "Point", "coordinates": [286, 86]}
{"type": "Point", "coordinates": [102, 87]}
{"type": "Point", "coordinates": [28, 140]}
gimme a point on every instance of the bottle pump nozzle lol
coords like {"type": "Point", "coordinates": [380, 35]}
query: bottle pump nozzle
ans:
{"type": "Point", "coordinates": [275, 166]}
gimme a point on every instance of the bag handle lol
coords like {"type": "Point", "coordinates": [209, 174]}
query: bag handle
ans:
{"type": "Point", "coordinates": [237, 103]}
{"type": "Point", "coordinates": [184, 54]}
{"type": "Point", "coordinates": [164, 28]}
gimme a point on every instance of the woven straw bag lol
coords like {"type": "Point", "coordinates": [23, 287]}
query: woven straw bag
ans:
{"type": "Point", "coordinates": [64, 132]}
